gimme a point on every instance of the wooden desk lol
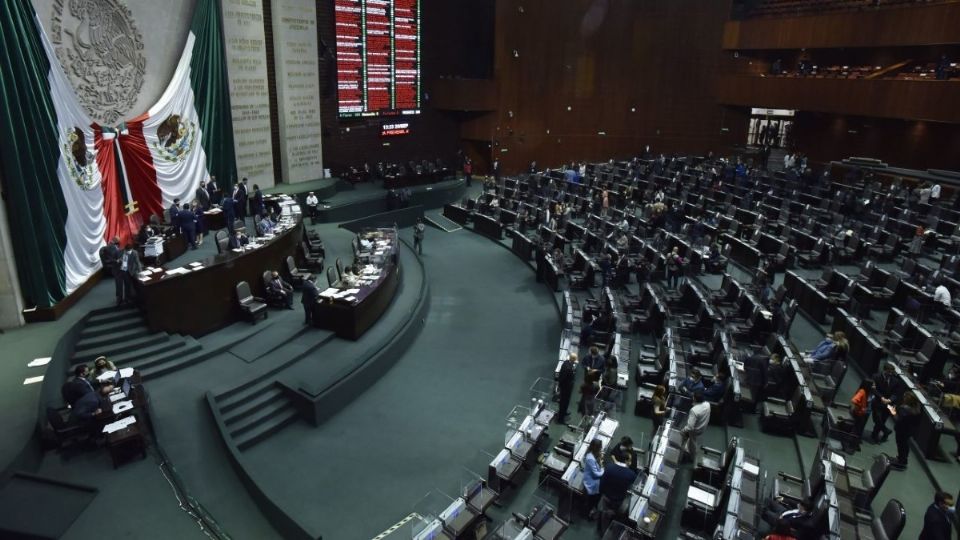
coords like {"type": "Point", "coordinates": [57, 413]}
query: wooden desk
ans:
{"type": "Point", "coordinates": [126, 442]}
{"type": "Point", "coordinates": [205, 300]}
{"type": "Point", "coordinates": [351, 319]}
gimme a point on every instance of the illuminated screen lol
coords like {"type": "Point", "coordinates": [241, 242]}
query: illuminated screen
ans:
{"type": "Point", "coordinates": [378, 57]}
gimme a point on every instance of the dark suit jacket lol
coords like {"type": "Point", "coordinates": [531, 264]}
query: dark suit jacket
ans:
{"type": "Point", "coordinates": [229, 209]}
{"type": "Point", "coordinates": [74, 389]}
{"type": "Point", "coordinates": [203, 197]}
{"type": "Point", "coordinates": [86, 407]}
{"type": "Point", "coordinates": [936, 525]}
{"type": "Point", "coordinates": [133, 262]}
{"type": "Point", "coordinates": [279, 287]}
{"type": "Point", "coordinates": [615, 482]}
{"type": "Point", "coordinates": [891, 389]}
{"type": "Point", "coordinates": [110, 256]}
{"type": "Point", "coordinates": [310, 293]}
{"type": "Point", "coordinates": [566, 377]}
{"type": "Point", "coordinates": [187, 220]}
{"type": "Point", "coordinates": [235, 244]}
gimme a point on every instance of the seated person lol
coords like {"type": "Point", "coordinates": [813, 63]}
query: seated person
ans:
{"type": "Point", "coordinates": [280, 291]}
{"type": "Point", "coordinates": [824, 350]}
{"type": "Point", "coordinates": [238, 240]}
{"type": "Point", "coordinates": [795, 518]}
{"type": "Point", "coordinates": [78, 386]}
{"type": "Point", "coordinates": [715, 392]}
{"type": "Point", "coordinates": [692, 384]}
{"type": "Point", "coordinates": [266, 225]}
{"type": "Point", "coordinates": [91, 405]}
{"type": "Point", "coordinates": [351, 276]}
{"type": "Point", "coordinates": [102, 365]}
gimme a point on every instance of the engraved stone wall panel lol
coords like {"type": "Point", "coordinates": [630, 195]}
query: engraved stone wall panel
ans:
{"type": "Point", "coordinates": [298, 89]}
{"type": "Point", "coordinates": [249, 92]}
{"type": "Point", "coordinates": [119, 54]}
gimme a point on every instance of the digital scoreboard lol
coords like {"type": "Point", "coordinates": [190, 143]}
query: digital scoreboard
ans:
{"type": "Point", "coordinates": [378, 57]}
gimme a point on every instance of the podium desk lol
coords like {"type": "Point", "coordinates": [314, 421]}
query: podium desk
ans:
{"type": "Point", "coordinates": [202, 300]}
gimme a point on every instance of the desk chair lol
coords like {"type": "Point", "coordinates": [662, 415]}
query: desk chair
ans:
{"type": "Point", "coordinates": [66, 433]}
{"type": "Point", "coordinates": [779, 415]}
{"type": "Point", "coordinates": [250, 306]}
{"type": "Point", "coordinates": [866, 483]}
{"type": "Point", "coordinates": [297, 275]}
{"type": "Point", "coordinates": [886, 526]}
{"type": "Point", "coordinates": [713, 465]}
{"type": "Point", "coordinates": [222, 240]}
{"type": "Point", "coordinates": [339, 265]}
{"type": "Point", "coordinates": [314, 261]}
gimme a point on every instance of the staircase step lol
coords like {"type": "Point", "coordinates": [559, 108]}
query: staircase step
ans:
{"type": "Point", "coordinates": [97, 342]}
{"type": "Point", "coordinates": [166, 368]}
{"type": "Point", "coordinates": [239, 399]}
{"type": "Point", "coordinates": [254, 403]}
{"type": "Point", "coordinates": [184, 348]}
{"type": "Point", "coordinates": [109, 349]}
{"type": "Point", "coordinates": [279, 420]}
{"type": "Point", "coordinates": [110, 327]}
{"type": "Point", "coordinates": [130, 357]}
{"type": "Point", "coordinates": [105, 315]}
{"type": "Point", "coordinates": [258, 416]}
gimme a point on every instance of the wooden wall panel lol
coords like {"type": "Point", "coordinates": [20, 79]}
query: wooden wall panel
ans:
{"type": "Point", "coordinates": [937, 101]}
{"type": "Point", "coordinates": [639, 72]}
{"type": "Point", "coordinates": [901, 143]}
{"type": "Point", "coordinates": [933, 24]}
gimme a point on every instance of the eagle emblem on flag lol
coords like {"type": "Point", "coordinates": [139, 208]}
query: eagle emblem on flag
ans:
{"type": "Point", "coordinates": [79, 159]}
{"type": "Point", "coordinates": [176, 137]}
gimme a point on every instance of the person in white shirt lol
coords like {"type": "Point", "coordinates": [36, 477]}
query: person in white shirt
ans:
{"type": "Point", "coordinates": [942, 298]}
{"type": "Point", "coordinates": [312, 203]}
{"type": "Point", "coordinates": [697, 420]}
{"type": "Point", "coordinates": [935, 193]}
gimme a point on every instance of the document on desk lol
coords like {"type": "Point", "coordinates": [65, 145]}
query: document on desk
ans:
{"type": "Point", "coordinates": [703, 497]}
{"type": "Point", "coordinates": [117, 396]}
{"type": "Point", "coordinates": [122, 406]}
{"type": "Point", "coordinates": [119, 424]}
{"type": "Point", "coordinates": [330, 292]}
{"type": "Point", "coordinates": [839, 460]}
{"type": "Point", "coordinates": [106, 376]}
{"type": "Point", "coordinates": [609, 426]}
{"type": "Point", "coordinates": [126, 373]}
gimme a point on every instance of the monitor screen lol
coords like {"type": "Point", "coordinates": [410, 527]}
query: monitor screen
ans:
{"type": "Point", "coordinates": [378, 57]}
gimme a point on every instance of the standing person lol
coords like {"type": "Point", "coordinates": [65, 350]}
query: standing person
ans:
{"type": "Point", "coordinates": [130, 267]}
{"type": "Point", "coordinates": [887, 389]}
{"type": "Point", "coordinates": [697, 420]}
{"type": "Point", "coordinates": [241, 198]}
{"type": "Point", "coordinates": [938, 519]}
{"type": "Point", "coordinates": [588, 394]}
{"type": "Point", "coordinates": [202, 196]}
{"type": "Point", "coordinates": [496, 170]}
{"type": "Point", "coordinates": [418, 231]}
{"type": "Point", "coordinates": [312, 203]}
{"type": "Point", "coordinates": [859, 412]}
{"type": "Point", "coordinates": [659, 406]}
{"type": "Point", "coordinates": [201, 224]}
{"type": "Point", "coordinates": [593, 363]}
{"type": "Point", "coordinates": [187, 221]}
{"type": "Point", "coordinates": [229, 205]}
{"type": "Point", "coordinates": [674, 268]}
{"type": "Point", "coordinates": [257, 201]}
{"type": "Point", "coordinates": [110, 259]}
{"type": "Point", "coordinates": [905, 417]}
{"type": "Point", "coordinates": [565, 379]}
{"type": "Point", "coordinates": [592, 473]}
{"type": "Point", "coordinates": [309, 299]}
{"type": "Point", "coordinates": [468, 170]}
{"type": "Point", "coordinates": [213, 190]}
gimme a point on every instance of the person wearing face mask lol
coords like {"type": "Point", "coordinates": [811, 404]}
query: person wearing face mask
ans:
{"type": "Point", "coordinates": [937, 520]}
{"type": "Point", "coordinates": [887, 389]}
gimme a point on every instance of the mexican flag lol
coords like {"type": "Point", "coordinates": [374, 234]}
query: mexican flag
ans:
{"type": "Point", "coordinates": [72, 184]}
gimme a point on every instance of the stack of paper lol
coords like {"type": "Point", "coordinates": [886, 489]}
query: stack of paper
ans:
{"type": "Point", "coordinates": [330, 293]}
{"type": "Point", "coordinates": [119, 424]}
{"type": "Point", "coordinates": [126, 372]}
{"type": "Point", "coordinates": [106, 376]}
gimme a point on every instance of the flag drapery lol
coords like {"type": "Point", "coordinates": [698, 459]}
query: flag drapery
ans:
{"type": "Point", "coordinates": [70, 184]}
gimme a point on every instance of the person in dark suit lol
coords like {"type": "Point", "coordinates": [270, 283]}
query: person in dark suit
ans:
{"type": "Point", "coordinates": [110, 259]}
{"type": "Point", "coordinates": [130, 266]}
{"type": "Point", "coordinates": [202, 196]}
{"type": "Point", "coordinates": [241, 198]}
{"type": "Point", "coordinates": [309, 299]}
{"type": "Point", "coordinates": [565, 380]}
{"type": "Point", "coordinates": [888, 389]}
{"type": "Point", "coordinates": [614, 484]}
{"type": "Point", "coordinates": [257, 203]}
{"type": "Point", "coordinates": [229, 206]}
{"type": "Point", "coordinates": [797, 517]}
{"type": "Point", "coordinates": [238, 240]}
{"type": "Point", "coordinates": [280, 290]}
{"type": "Point", "coordinates": [755, 369]}
{"type": "Point", "coordinates": [172, 212]}
{"type": "Point", "coordinates": [76, 387]}
{"type": "Point", "coordinates": [937, 520]}
{"type": "Point", "coordinates": [213, 190]}
{"type": "Point", "coordinates": [187, 221]}
{"type": "Point", "coordinates": [91, 405]}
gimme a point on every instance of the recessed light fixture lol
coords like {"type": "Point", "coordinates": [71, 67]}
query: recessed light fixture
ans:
{"type": "Point", "coordinates": [569, 108]}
